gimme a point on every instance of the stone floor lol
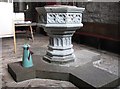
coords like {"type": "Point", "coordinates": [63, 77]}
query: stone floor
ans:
{"type": "Point", "coordinates": [108, 61]}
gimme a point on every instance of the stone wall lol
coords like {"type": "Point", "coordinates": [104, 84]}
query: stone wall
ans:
{"type": "Point", "coordinates": [101, 12]}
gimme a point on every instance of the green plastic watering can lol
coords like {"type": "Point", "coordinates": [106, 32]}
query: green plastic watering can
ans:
{"type": "Point", "coordinates": [27, 56]}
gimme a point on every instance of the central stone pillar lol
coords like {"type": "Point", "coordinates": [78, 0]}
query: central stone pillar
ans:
{"type": "Point", "coordinates": [60, 22]}
{"type": "Point", "coordinates": [60, 48]}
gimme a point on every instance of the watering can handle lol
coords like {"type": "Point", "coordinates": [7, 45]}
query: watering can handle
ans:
{"type": "Point", "coordinates": [29, 54]}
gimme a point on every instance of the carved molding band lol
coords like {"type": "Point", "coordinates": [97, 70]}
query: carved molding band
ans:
{"type": "Point", "coordinates": [64, 18]}
{"type": "Point", "coordinates": [60, 41]}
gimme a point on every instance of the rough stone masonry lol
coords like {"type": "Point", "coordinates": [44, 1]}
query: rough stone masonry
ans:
{"type": "Point", "coordinates": [101, 12]}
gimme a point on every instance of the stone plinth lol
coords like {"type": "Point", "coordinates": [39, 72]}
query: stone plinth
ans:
{"type": "Point", "coordinates": [85, 76]}
{"type": "Point", "coordinates": [60, 22]}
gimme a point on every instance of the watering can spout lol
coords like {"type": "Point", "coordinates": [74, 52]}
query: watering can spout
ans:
{"type": "Point", "coordinates": [27, 56]}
